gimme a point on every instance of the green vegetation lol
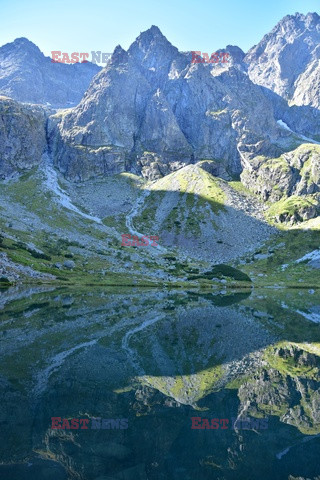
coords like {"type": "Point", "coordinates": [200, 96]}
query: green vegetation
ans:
{"type": "Point", "coordinates": [190, 191]}
{"type": "Point", "coordinates": [240, 188]}
{"type": "Point", "coordinates": [289, 359]}
{"type": "Point", "coordinates": [279, 266]}
{"type": "Point", "coordinates": [223, 271]}
{"type": "Point", "coordinates": [291, 208]}
{"type": "Point", "coordinates": [187, 388]}
{"type": "Point", "coordinates": [4, 282]}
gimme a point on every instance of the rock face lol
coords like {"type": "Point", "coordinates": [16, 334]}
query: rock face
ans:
{"type": "Point", "coordinates": [22, 136]}
{"type": "Point", "coordinates": [287, 59]}
{"type": "Point", "coordinates": [28, 76]}
{"type": "Point", "coordinates": [286, 388]}
{"type": "Point", "coordinates": [293, 173]}
{"type": "Point", "coordinates": [152, 111]}
{"type": "Point", "coordinates": [291, 180]}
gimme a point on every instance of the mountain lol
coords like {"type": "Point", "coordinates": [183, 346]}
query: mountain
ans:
{"type": "Point", "coordinates": [28, 76]}
{"type": "Point", "coordinates": [157, 146]}
{"type": "Point", "coordinates": [152, 111]}
{"type": "Point", "coordinates": [287, 60]}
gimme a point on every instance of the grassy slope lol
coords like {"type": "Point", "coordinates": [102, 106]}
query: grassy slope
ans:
{"type": "Point", "coordinates": [61, 234]}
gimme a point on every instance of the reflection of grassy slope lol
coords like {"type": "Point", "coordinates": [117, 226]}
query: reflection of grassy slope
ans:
{"type": "Point", "coordinates": [186, 389]}
{"type": "Point", "coordinates": [286, 359]}
{"type": "Point", "coordinates": [287, 385]}
{"type": "Point", "coordinates": [49, 323]}
{"type": "Point", "coordinates": [288, 364]}
{"type": "Point", "coordinates": [52, 322]}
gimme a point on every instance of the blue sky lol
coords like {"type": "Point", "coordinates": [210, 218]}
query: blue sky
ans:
{"type": "Point", "coordinates": [205, 25]}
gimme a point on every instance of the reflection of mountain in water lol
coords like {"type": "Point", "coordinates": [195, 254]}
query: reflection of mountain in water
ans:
{"type": "Point", "coordinates": [158, 358]}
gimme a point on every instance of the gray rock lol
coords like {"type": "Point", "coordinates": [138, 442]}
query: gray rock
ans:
{"type": "Point", "coordinates": [296, 173]}
{"type": "Point", "coordinates": [22, 136]}
{"type": "Point", "coordinates": [143, 111]}
{"type": "Point", "coordinates": [286, 59]}
{"type": "Point", "coordinates": [261, 256]}
{"type": "Point", "coordinates": [69, 264]}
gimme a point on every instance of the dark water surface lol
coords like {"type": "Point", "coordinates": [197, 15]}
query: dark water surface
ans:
{"type": "Point", "coordinates": [151, 360]}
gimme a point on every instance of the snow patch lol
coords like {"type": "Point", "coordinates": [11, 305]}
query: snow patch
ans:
{"type": "Point", "coordinates": [304, 440]}
{"type": "Point", "coordinates": [314, 317]}
{"type": "Point", "coordinates": [312, 256]}
{"type": "Point", "coordinates": [245, 162]}
{"type": "Point", "coordinates": [283, 125]}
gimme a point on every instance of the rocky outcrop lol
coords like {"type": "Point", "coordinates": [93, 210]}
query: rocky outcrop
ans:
{"type": "Point", "coordinates": [287, 59]}
{"type": "Point", "coordinates": [22, 136]}
{"type": "Point", "coordinates": [291, 182]}
{"type": "Point", "coordinates": [293, 173]}
{"type": "Point", "coordinates": [152, 111]}
{"type": "Point", "coordinates": [28, 76]}
{"type": "Point", "coordinates": [289, 389]}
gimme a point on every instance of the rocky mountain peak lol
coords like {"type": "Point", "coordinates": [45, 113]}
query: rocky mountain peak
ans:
{"type": "Point", "coordinates": [312, 19]}
{"type": "Point", "coordinates": [23, 41]}
{"type": "Point", "coordinates": [153, 34]}
{"type": "Point", "coordinates": [152, 41]}
{"type": "Point", "coordinates": [296, 24]}
{"type": "Point", "coordinates": [155, 54]}
{"type": "Point", "coordinates": [21, 47]}
{"type": "Point", "coordinates": [236, 54]}
{"type": "Point", "coordinates": [283, 56]}
{"type": "Point", "coordinates": [119, 55]}
{"type": "Point", "coordinates": [27, 75]}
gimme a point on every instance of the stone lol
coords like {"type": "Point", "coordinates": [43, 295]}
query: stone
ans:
{"type": "Point", "coordinates": [69, 264]}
